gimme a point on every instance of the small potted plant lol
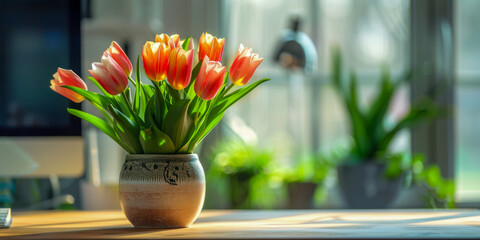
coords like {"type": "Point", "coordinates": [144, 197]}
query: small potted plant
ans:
{"type": "Point", "coordinates": [244, 169]}
{"type": "Point", "coordinates": [162, 183]}
{"type": "Point", "coordinates": [303, 179]}
{"type": "Point", "coordinates": [361, 176]}
{"type": "Point", "coordinates": [431, 186]}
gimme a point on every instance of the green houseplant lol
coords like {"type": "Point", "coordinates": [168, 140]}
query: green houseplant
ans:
{"type": "Point", "coordinates": [162, 183]}
{"type": "Point", "coordinates": [361, 176]}
{"type": "Point", "coordinates": [303, 179]}
{"type": "Point", "coordinates": [243, 170]}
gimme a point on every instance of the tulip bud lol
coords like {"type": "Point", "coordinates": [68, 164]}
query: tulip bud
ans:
{"type": "Point", "coordinates": [109, 74]}
{"type": "Point", "coordinates": [120, 57]}
{"type": "Point", "coordinates": [210, 79]}
{"type": "Point", "coordinates": [180, 68]}
{"type": "Point", "coordinates": [210, 46]}
{"type": "Point", "coordinates": [65, 77]}
{"type": "Point", "coordinates": [244, 66]}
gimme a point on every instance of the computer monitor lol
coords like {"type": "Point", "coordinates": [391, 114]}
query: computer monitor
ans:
{"type": "Point", "coordinates": [38, 36]}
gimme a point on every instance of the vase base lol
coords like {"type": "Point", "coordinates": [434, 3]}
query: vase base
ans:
{"type": "Point", "coordinates": [159, 227]}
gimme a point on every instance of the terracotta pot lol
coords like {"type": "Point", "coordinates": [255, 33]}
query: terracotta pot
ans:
{"type": "Point", "coordinates": [162, 191]}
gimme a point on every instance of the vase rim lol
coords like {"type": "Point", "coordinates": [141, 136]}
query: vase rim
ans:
{"type": "Point", "coordinates": [160, 154]}
{"type": "Point", "coordinates": [162, 157]}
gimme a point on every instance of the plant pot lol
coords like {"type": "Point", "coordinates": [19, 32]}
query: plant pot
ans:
{"type": "Point", "coordinates": [162, 191]}
{"type": "Point", "coordinates": [365, 186]}
{"type": "Point", "coordinates": [300, 195]}
{"type": "Point", "coordinates": [239, 184]}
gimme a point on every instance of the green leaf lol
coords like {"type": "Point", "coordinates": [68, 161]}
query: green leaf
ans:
{"type": "Point", "coordinates": [196, 69]}
{"type": "Point", "coordinates": [155, 141]}
{"type": "Point", "coordinates": [149, 90]}
{"type": "Point", "coordinates": [99, 87]}
{"type": "Point", "coordinates": [160, 108]}
{"type": "Point", "coordinates": [173, 93]}
{"type": "Point", "coordinates": [178, 124]}
{"type": "Point", "coordinates": [432, 176]}
{"type": "Point", "coordinates": [185, 43]}
{"type": "Point", "coordinates": [415, 115]}
{"type": "Point", "coordinates": [129, 129]}
{"type": "Point", "coordinates": [91, 96]}
{"type": "Point", "coordinates": [150, 113]}
{"type": "Point", "coordinates": [337, 68]}
{"type": "Point", "coordinates": [233, 97]}
{"type": "Point", "coordinates": [100, 124]}
{"type": "Point", "coordinates": [379, 107]}
{"type": "Point", "coordinates": [138, 89]}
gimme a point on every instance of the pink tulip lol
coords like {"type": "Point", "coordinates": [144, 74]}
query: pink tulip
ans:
{"type": "Point", "coordinates": [180, 68]}
{"type": "Point", "coordinates": [109, 74]}
{"type": "Point", "coordinates": [120, 57]}
{"type": "Point", "coordinates": [244, 66]}
{"type": "Point", "coordinates": [65, 77]}
{"type": "Point", "coordinates": [210, 79]}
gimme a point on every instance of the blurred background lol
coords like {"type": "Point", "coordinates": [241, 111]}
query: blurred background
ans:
{"type": "Point", "coordinates": [289, 143]}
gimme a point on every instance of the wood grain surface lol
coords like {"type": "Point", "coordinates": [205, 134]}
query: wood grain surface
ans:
{"type": "Point", "coordinates": [250, 224]}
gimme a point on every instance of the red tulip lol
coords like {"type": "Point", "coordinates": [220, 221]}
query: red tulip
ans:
{"type": "Point", "coordinates": [109, 74]}
{"type": "Point", "coordinates": [210, 46]}
{"type": "Point", "coordinates": [120, 57]}
{"type": "Point", "coordinates": [180, 68]}
{"type": "Point", "coordinates": [65, 77]}
{"type": "Point", "coordinates": [244, 66]}
{"type": "Point", "coordinates": [210, 79]}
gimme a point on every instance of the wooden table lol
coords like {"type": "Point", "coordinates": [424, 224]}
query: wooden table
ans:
{"type": "Point", "coordinates": [231, 224]}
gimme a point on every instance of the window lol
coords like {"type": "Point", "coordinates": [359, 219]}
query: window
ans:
{"type": "Point", "coordinates": [467, 49]}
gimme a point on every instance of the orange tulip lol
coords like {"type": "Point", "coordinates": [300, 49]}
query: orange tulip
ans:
{"type": "Point", "coordinates": [244, 66]}
{"type": "Point", "coordinates": [109, 74]}
{"type": "Point", "coordinates": [65, 77]}
{"type": "Point", "coordinates": [155, 56]}
{"type": "Point", "coordinates": [180, 68]}
{"type": "Point", "coordinates": [172, 41]}
{"type": "Point", "coordinates": [210, 46]}
{"type": "Point", "coordinates": [210, 79]}
{"type": "Point", "coordinates": [120, 57]}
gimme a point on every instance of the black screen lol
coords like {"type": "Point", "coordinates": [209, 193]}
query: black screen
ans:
{"type": "Point", "coordinates": [36, 37]}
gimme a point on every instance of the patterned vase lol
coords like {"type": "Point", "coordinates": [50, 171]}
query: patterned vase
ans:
{"type": "Point", "coordinates": [162, 191]}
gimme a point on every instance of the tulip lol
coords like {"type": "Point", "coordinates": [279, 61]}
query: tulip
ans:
{"type": "Point", "coordinates": [180, 68]}
{"type": "Point", "coordinates": [65, 77]}
{"type": "Point", "coordinates": [210, 79]}
{"type": "Point", "coordinates": [172, 41]}
{"type": "Point", "coordinates": [244, 66]}
{"type": "Point", "coordinates": [155, 57]}
{"type": "Point", "coordinates": [109, 74]}
{"type": "Point", "coordinates": [120, 57]}
{"type": "Point", "coordinates": [210, 46]}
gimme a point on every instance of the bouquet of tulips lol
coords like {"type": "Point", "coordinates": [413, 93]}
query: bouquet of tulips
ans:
{"type": "Point", "coordinates": [182, 105]}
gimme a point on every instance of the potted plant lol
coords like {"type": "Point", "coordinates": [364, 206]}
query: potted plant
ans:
{"type": "Point", "coordinates": [303, 179]}
{"type": "Point", "coordinates": [244, 170]}
{"type": "Point", "coordinates": [432, 187]}
{"type": "Point", "coordinates": [162, 183]}
{"type": "Point", "coordinates": [361, 176]}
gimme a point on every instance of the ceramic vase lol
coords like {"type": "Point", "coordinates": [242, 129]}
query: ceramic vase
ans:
{"type": "Point", "coordinates": [162, 191]}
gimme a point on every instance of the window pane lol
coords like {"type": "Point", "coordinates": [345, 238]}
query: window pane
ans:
{"type": "Point", "coordinates": [468, 108]}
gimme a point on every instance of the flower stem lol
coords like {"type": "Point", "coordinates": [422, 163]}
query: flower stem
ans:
{"type": "Point", "coordinates": [228, 89]}
{"type": "Point", "coordinates": [131, 81]}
